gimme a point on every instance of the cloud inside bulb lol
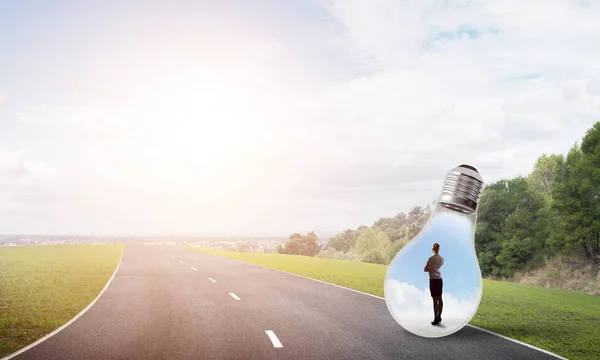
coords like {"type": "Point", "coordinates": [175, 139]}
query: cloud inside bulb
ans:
{"type": "Point", "coordinates": [411, 303]}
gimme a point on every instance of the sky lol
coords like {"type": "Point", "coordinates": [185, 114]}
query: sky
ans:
{"type": "Point", "coordinates": [413, 310]}
{"type": "Point", "coordinates": [460, 271]}
{"type": "Point", "coordinates": [271, 117]}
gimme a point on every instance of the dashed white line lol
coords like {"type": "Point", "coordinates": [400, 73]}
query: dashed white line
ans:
{"type": "Point", "coordinates": [234, 296]}
{"type": "Point", "coordinates": [182, 263]}
{"type": "Point", "coordinates": [211, 279]}
{"type": "Point", "coordinates": [194, 269]}
{"type": "Point", "coordinates": [274, 339]}
{"type": "Point", "coordinates": [381, 298]}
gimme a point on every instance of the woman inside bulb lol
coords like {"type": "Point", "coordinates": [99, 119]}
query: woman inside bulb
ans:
{"type": "Point", "coordinates": [433, 266]}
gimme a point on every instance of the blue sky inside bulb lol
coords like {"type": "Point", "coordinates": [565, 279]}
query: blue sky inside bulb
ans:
{"type": "Point", "coordinates": [407, 285]}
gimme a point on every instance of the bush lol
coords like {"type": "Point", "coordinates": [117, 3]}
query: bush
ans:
{"type": "Point", "coordinates": [339, 255]}
{"type": "Point", "coordinates": [375, 256]}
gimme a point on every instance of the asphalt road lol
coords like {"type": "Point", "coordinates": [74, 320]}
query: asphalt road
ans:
{"type": "Point", "coordinates": [162, 304]}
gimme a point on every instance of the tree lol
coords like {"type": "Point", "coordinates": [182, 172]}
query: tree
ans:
{"type": "Point", "coordinates": [344, 241]}
{"type": "Point", "coordinates": [292, 245]}
{"type": "Point", "coordinates": [543, 180]}
{"type": "Point", "coordinates": [577, 196]}
{"type": "Point", "coordinates": [511, 226]}
{"type": "Point", "coordinates": [404, 226]}
{"type": "Point", "coordinates": [494, 206]}
{"type": "Point", "coordinates": [309, 244]}
{"type": "Point", "coordinates": [394, 234]}
{"type": "Point", "coordinates": [523, 231]}
{"type": "Point", "coordinates": [244, 246]}
{"type": "Point", "coordinates": [542, 176]}
{"type": "Point", "coordinates": [395, 248]}
{"type": "Point", "coordinates": [413, 230]}
{"type": "Point", "coordinates": [372, 245]}
{"type": "Point", "coordinates": [301, 245]}
{"type": "Point", "coordinates": [590, 192]}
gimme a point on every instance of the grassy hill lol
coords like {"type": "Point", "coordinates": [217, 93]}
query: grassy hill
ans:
{"type": "Point", "coordinates": [43, 287]}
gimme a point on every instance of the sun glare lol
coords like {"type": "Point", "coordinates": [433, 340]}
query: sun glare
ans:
{"type": "Point", "coordinates": [189, 127]}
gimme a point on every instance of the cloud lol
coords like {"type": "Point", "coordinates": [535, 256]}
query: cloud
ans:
{"type": "Point", "coordinates": [411, 302]}
{"type": "Point", "coordinates": [81, 119]}
{"type": "Point", "coordinates": [13, 163]}
{"type": "Point", "coordinates": [41, 171]}
{"type": "Point", "coordinates": [362, 125]}
{"type": "Point", "coordinates": [9, 160]}
{"type": "Point", "coordinates": [367, 176]}
{"type": "Point", "coordinates": [4, 98]}
{"type": "Point", "coordinates": [413, 309]}
{"type": "Point", "coordinates": [26, 181]}
{"type": "Point", "coordinates": [448, 84]}
{"type": "Point", "coordinates": [36, 196]}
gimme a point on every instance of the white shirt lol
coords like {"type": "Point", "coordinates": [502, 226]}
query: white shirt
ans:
{"type": "Point", "coordinates": [435, 263]}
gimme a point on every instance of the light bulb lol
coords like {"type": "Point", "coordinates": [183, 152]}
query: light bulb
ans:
{"type": "Point", "coordinates": [452, 226]}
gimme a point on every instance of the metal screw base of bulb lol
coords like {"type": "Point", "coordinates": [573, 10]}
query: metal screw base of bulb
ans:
{"type": "Point", "coordinates": [462, 189]}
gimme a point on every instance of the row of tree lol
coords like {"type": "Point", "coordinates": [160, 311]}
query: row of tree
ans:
{"type": "Point", "coordinates": [382, 241]}
{"type": "Point", "coordinates": [376, 244]}
{"type": "Point", "coordinates": [554, 210]}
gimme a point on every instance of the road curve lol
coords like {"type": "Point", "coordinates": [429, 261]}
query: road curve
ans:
{"type": "Point", "coordinates": [166, 302]}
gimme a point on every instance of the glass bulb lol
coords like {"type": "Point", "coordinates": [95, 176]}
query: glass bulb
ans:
{"type": "Point", "coordinates": [452, 226]}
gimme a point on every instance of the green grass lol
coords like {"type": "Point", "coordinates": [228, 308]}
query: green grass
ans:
{"type": "Point", "coordinates": [43, 287]}
{"type": "Point", "coordinates": [563, 322]}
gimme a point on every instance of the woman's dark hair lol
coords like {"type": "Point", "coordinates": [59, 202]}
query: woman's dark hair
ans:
{"type": "Point", "coordinates": [436, 247]}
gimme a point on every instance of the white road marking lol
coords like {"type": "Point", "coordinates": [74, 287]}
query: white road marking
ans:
{"type": "Point", "coordinates": [381, 298]}
{"type": "Point", "coordinates": [182, 263]}
{"type": "Point", "coordinates": [211, 279]}
{"type": "Point", "coordinates": [172, 257]}
{"type": "Point", "coordinates": [234, 296]}
{"type": "Point", "coordinates": [274, 339]}
{"type": "Point", "coordinates": [518, 342]}
{"type": "Point", "coordinates": [196, 270]}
